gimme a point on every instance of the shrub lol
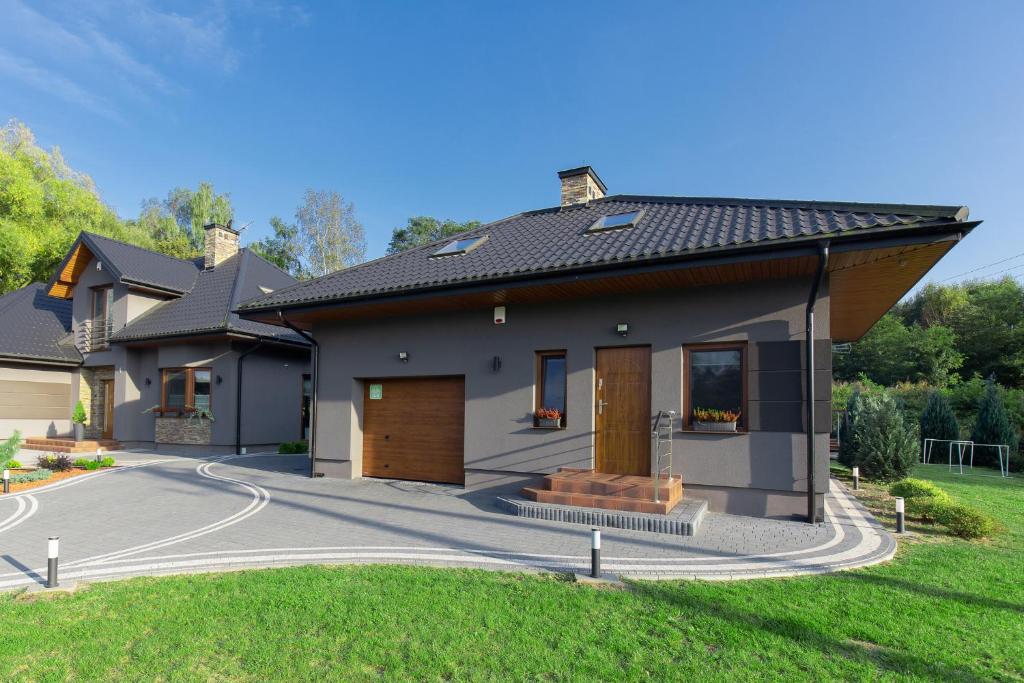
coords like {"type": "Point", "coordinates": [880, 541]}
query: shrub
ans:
{"type": "Point", "coordinates": [54, 462]}
{"type": "Point", "coordinates": [107, 461]}
{"type": "Point", "coordinates": [78, 414]}
{"type": "Point", "coordinates": [965, 521]}
{"type": "Point", "coordinates": [12, 465]}
{"type": "Point", "coordinates": [853, 405]}
{"type": "Point", "coordinates": [34, 475]}
{"type": "Point", "coordinates": [289, 447]}
{"type": "Point", "coordinates": [87, 463]}
{"type": "Point", "coordinates": [992, 426]}
{"type": "Point", "coordinates": [927, 508]}
{"type": "Point", "coordinates": [884, 446]}
{"type": "Point", "coordinates": [938, 420]}
{"type": "Point", "coordinates": [9, 449]}
{"type": "Point", "coordinates": [915, 488]}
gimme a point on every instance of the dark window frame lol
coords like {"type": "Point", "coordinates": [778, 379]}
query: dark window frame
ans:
{"type": "Point", "coordinates": [101, 327]}
{"type": "Point", "coordinates": [741, 346]}
{"type": "Point", "coordinates": [190, 389]}
{"type": "Point", "coordinates": [305, 415]}
{"type": "Point", "coordinates": [539, 383]}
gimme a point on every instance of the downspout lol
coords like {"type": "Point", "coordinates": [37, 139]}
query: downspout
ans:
{"type": "Point", "coordinates": [314, 372]}
{"type": "Point", "coordinates": [238, 396]}
{"type": "Point", "coordinates": [812, 507]}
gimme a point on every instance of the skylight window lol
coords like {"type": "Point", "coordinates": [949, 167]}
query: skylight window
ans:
{"type": "Point", "coordinates": [462, 246]}
{"type": "Point", "coordinates": [616, 221]}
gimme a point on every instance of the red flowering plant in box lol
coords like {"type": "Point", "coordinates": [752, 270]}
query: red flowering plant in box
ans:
{"type": "Point", "coordinates": [548, 417]}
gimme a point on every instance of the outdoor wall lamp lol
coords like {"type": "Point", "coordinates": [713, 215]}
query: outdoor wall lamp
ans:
{"type": "Point", "coordinates": [496, 363]}
{"type": "Point", "coordinates": [622, 329]}
{"type": "Point", "coordinates": [219, 379]}
{"type": "Point", "coordinates": [148, 381]}
{"type": "Point", "coordinates": [403, 356]}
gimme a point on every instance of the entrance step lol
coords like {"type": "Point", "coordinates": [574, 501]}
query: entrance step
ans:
{"type": "Point", "coordinates": [622, 492]}
{"type": "Point", "coordinates": [57, 445]}
{"type": "Point", "coordinates": [684, 520]}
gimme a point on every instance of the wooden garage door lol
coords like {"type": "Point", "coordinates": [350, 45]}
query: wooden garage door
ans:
{"type": "Point", "coordinates": [413, 428]}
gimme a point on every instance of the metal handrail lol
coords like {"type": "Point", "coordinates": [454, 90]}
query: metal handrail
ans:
{"type": "Point", "coordinates": [94, 335]}
{"type": "Point", "coordinates": [661, 449]}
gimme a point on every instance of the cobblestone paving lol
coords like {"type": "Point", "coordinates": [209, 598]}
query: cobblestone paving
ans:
{"type": "Point", "coordinates": [165, 513]}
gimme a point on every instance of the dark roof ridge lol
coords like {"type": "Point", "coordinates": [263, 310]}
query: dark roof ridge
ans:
{"type": "Point", "coordinates": [249, 250]}
{"type": "Point", "coordinates": [925, 210]}
{"type": "Point", "coordinates": [135, 246]}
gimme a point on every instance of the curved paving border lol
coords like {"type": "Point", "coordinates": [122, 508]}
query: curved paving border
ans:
{"type": "Point", "coordinates": [856, 540]}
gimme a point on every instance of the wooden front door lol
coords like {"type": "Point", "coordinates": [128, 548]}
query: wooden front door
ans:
{"type": "Point", "coordinates": [413, 428]}
{"type": "Point", "coordinates": [622, 411]}
{"type": "Point", "coordinates": [108, 409]}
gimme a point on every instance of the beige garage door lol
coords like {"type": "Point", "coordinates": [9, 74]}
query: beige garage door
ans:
{"type": "Point", "coordinates": [413, 428]}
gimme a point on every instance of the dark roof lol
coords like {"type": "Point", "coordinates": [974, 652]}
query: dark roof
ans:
{"type": "Point", "coordinates": [135, 265]}
{"type": "Point", "coordinates": [35, 326]}
{"type": "Point", "coordinates": [209, 306]}
{"type": "Point", "coordinates": [556, 241]}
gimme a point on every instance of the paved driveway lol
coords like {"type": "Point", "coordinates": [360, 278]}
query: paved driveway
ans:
{"type": "Point", "coordinates": [167, 514]}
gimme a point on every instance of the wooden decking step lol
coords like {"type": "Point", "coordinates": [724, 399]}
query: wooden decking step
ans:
{"type": "Point", "coordinates": [58, 445]}
{"type": "Point", "coordinates": [619, 503]}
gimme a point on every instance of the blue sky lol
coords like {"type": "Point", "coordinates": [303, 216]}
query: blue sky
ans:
{"type": "Point", "coordinates": [467, 110]}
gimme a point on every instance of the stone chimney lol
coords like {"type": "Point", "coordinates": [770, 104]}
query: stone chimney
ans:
{"type": "Point", "coordinates": [221, 244]}
{"type": "Point", "coordinates": [581, 185]}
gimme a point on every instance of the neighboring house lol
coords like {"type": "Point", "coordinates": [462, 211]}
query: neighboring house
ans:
{"type": "Point", "coordinates": [610, 309]}
{"type": "Point", "coordinates": [150, 345]}
{"type": "Point", "coordinates": [38, 363]}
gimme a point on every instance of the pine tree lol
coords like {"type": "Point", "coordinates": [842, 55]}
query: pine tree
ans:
{"type": "Point", "coordinates": [992, 426]}
{"type": "Point", "coordinates": [846, 445]}
{"type": "Point", "coordinates": [938, 420]}
{"type": "Point", "coordinates": [884, 445]}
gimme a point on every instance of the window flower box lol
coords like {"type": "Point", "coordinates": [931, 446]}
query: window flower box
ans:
{"type": "Point", "coordinates": [714, 426]}
{"type": "Point", "coordinates": [547, 418]}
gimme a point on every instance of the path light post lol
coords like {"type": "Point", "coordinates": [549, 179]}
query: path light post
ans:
{"type": "Point", "coordinates": [99, 454]}
{"type": "Point", "coordinates": [51, 561]}
{"type": "Point", "coordinates": [595, 552]}
{"type": "Point", "coordinates": [7, 481]}
{"type": "Point", "coordinates": [900, 528]}
{"type": "Point", "coordinates": [856, 478]}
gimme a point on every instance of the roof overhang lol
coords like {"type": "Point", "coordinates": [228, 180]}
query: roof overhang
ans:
{"type": "Point", "coordinates": [204, 338]}
{"type": "Point", "coordinates": [35, 360]}
{"type": "Point", "coordinates": [82, 252]}
{"type": "Point", "coordinates": [870, 270]}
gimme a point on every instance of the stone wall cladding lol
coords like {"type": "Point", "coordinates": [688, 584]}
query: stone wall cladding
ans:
{"type": "Point", "coordinates": [181, 430]}
{"type": "Point", "coordinates": [221, 244]}
{"type": "Point", "coordinates": [91, 393]}
{"type": "Point", "coordinates": [579, 189]}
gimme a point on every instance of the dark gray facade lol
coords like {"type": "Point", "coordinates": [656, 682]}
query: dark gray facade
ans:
{"type": "Point", "coordinates": [760, 472]}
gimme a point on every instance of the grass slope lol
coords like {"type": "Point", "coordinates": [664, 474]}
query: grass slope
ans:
{"type": "Point", "coordinates": [943, 610]}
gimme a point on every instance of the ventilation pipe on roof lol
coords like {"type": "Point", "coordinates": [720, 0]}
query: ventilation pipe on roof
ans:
{"type": "Point", "coordinates": [314, 371]}
{"type": "Point", "coordinates": [812, 299]}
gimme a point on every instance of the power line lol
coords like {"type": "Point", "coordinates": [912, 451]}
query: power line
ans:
{"type": "Point", "coordinates": [989, 265]}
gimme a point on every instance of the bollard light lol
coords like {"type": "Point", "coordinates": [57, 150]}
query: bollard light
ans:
{"type": "Point", "coordinates": [856, 478]}
{"type": "Point", "coordinates": [51, 561]}
{"type": "Point", "coordinates": [99, 454]}
{"type": "Point", "coordinates": [595, 552]}
{"type": "Point", "coordinates": [900, 525]}
{"type": "Point", "coordinates": [7, 481]}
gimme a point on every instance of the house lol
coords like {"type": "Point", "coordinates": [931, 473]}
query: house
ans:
{"type": "Point", "coordinates": [151, 347]}
{"type": "Point", "coordinates": [431, 363]}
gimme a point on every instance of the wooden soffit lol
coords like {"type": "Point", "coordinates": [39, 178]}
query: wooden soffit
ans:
{"type": "Point", "coordinates": [74, 266]}
{"type": "Point", "coordinates": [863, 285]}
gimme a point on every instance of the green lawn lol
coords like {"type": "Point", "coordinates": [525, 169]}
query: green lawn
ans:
{"type": "Point", "coordinates": [943, 610]}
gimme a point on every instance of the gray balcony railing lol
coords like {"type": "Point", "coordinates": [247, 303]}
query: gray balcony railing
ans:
{"type": "Point", "coordinates": [93, 335]}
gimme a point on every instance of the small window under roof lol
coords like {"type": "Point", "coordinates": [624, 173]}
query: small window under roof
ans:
{"type": "Point", "coordinates": [616, 221]}
{"type": "Point", "coordinates": [460, 246]}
